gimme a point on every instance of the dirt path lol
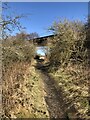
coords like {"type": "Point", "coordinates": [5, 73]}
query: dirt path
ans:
{"type": "Point", "coordinates": [53, 97]}
{"type": "Point", "coordinates": [58, 105]}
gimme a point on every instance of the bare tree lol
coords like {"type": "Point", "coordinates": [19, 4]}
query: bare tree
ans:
{"type": "Point", "coordinates": [10, 23]}
{"type": "Point", "coordinates": [32, 36]}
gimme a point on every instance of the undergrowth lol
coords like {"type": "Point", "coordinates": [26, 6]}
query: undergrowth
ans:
{"type": "Point", "coordinates": [22, 96]}
{"type": "Point", "coordinates": [73, 80]}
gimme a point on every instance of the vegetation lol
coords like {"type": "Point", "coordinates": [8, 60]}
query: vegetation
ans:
{"type": "Point", "coordinates": [69, 63]}
{"type": "Point", "coordinates": [21, 85]}
{"type": "Point", "coordinates": [22, 96]}
{"type": "Point", "coordinates": [68, 46]}
{"type": "Point", "coordinates": [24, 93]}
{"type": "Point", "coordinates": [17, 48]}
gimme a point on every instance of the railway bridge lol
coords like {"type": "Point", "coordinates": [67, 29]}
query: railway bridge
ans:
{"type": "Point", "coordinates": [42, 43]}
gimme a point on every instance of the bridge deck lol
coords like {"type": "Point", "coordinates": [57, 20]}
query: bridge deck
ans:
{"type": "Point", "coordinates": [42, 41]}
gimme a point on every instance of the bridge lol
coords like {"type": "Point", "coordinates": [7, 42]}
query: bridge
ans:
{"type": "Point", "coordinates": [42, 41]}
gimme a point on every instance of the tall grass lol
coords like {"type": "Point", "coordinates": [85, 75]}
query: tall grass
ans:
{"type": "Point", "coordinates": [17, 57]}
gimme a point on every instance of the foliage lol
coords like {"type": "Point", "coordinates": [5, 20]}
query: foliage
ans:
{"type": "Point", "coordinates": [68, 44]}
{"type": "Point", "coordinates": [17, 48]}
{"type": "Point", "coordinates": [68, 62]}
{"type": "Point", "coordinates": [73, 81]}
{"type": "Point", "coordinates": [22, 96]}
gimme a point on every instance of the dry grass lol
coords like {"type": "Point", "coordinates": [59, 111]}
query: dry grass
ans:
{"type": "Point", "coordinates": [22, 96]}
{"type": "Point", "coordinates": [73, 80]}
{"type": "Point", "coordinates": [13, 79]}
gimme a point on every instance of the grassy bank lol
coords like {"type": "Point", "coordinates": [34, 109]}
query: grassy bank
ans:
{"type": "Point", "coordinates": [22, 96]}
{"type": "Point", "coordinates": [73, 80]}
{"type": "Point", "coordinates": [22, 86]}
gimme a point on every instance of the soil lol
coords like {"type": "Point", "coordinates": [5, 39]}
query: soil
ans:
{"type": "Point", "coordinates": [53, 97]}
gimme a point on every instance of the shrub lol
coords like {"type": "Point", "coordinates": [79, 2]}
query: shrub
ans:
{"type": "Point", "coordinates": [15, 49]}
{"type": "Point", "coordinates": [68, 44]}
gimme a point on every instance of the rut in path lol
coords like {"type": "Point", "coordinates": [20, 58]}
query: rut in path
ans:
{"type": "Point", "coordinates": [58, 105]}
{"type": "Point", "coordinates": [53, 98]}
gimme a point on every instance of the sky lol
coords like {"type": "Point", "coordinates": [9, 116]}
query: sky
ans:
{"type": "Point", "coordinates": [41, 15]}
